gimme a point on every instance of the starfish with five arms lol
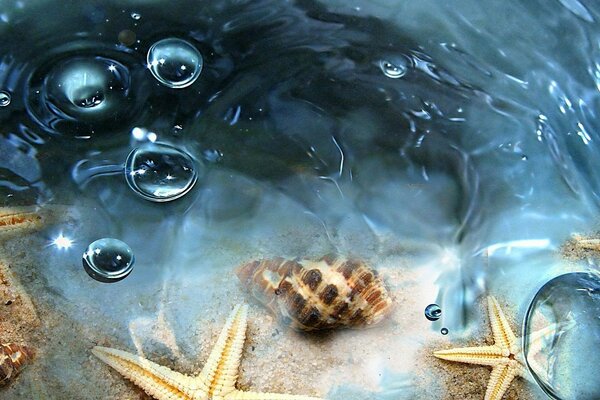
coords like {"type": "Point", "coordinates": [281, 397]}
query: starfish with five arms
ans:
{"type": "Point", "coordinates": [216, 381]}
{"type": "Point", "coordinates": [505, 356]}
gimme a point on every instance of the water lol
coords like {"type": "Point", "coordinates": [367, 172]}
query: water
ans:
{"type": "Point", "coordinates": [561, 362]}
{"type": "Point", "coordinates": [452, 146]}
{"type": "Point", "coordinates": [108, 260]}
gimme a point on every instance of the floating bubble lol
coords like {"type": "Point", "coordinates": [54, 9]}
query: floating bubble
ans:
{"type": "Point", "coordinates": [4, 98]}
{"type": "Point", "coordinates": [394, 69]}
{"type": "Point", "coordinates": [127, 37]}
{"type": "Point", "coordinates": [108, 260]}
{"type": "Point", "coordinates": [433, 312]}
{"type": "Point", "coordinates": [159, 172]}
{"type": "Point", "coordinates": [89, 88]}
{"type": "Point", "coordinates": [562, 336]}
{"type": "Point", "coordinates": [444, 331]}
{"type": "Point", "coordinates": [136, 16]}
{"type": "Point", "coordinates": [174, 62]}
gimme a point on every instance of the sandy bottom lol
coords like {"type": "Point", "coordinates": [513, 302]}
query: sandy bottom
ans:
{"type": "Point", "coordinates": [390, 361]}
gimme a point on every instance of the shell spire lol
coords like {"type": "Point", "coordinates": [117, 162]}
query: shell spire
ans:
{"type": "Point", "coordinates": [314, 295]}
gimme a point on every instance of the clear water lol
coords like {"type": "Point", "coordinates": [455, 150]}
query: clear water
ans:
{"type": "Point", "coordinates": [453, 145]}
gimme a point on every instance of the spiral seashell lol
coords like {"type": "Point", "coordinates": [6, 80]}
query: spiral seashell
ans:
{"type": "Point", "coordinates": [314, 295]}
{"type": "Point", "coordinates": [13, 357]}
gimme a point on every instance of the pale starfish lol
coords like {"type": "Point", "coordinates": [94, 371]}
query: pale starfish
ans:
{"type": "Point", "coordinates": [216, 381]}
{"type": "Point", "coordinates": [19, 219]}
{"type": "Point", "coordinates": [16, 221]}
{"type": "Point", "coordinates": [505, 356]}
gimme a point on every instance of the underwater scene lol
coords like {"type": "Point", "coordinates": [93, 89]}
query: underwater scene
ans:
{"type": "Point", "coordinates": [335, 200]}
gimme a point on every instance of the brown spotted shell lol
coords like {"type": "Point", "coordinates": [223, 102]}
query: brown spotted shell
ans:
{"type": "Point", "coordinates": [13, 357]}
{"type": "Point", "coordinates": [312, 295]}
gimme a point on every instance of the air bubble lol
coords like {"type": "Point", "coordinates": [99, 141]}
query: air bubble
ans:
{"type": "Point", "coordinates": [136, 16]}
{"type": "Point", "coordinates": [394, 69]}
{"type": "Point", "coordinates": [174, 62]}
{"type": "Point", "coordinates": [108, 260]}
{"type": "Point", "coordinates": [562, 336]}
{"type": "Point", "coordinates": [433, 312]}
{"type": "Point", "coordinates": [160, 172]}
{"type": "Point", "coordinates": [4, 98]}
{"type": "Point", "coordinates": [444, 331]}
{"type": "Point", "coordinates": [127, 37]}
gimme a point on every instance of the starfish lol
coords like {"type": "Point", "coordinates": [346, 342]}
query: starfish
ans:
{"type": "Point", "coordinates": [16, 221]}
{"type": "Point", "coordinates": [19, 219]}
{"type": "Point", "coordinates": [505, 356]}
{"type": "Point", "coordinates": [216, 381]}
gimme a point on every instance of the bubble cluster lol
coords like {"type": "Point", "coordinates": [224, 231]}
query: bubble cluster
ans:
{"type": "Point", "coordinates": [562, 336]}
{"type": "Point", "coordinates": [108, 260]}
{"type": "Point", "coordinates": [160, 172]}
{"type": "Point", "coordinates": [174, 62]}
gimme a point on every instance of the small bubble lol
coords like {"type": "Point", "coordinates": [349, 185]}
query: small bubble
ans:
{"type": "Point", "coordinates": [159, 172]}
{"type": "Point", "coordinates": [135, 16]}
{"type": "Point", "coordinates": [433, 312]}
{"type": "Point", "coordinates": [126, 37]}
{"type": "Point", "coordinates": [4, 98]}
{"type": "Point", "coordinates": [212, 155]}
{"type": "Point", "coordinates": [524, 157]}
{"type": "Point", "coordinates": [393, 70]}
{"type": "Point", "coordinates": [174, 62]}
{"type": "Point", "coordinates": [108, 260]}
{"type": "Point", "coordinates": [444, 331]}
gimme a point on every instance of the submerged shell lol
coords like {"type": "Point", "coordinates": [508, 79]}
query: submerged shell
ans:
{"type": "Point", "coordinates": [12, 359]}
{"type": "Point", "coordinates": [311, 295]}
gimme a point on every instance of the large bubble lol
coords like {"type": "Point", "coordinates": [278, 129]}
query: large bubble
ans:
{"type": "Point", "coordinates": [174, 62]}
{"type": "Point", "coordinates": [562, 336]}
{"type": "Point", "coordinates": [160, 172]}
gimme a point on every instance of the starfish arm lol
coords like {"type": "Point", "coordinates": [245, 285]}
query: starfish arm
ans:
{"type": "Point", "coordinates": [240, 395]}
{"type": "Point", "coordinates": [221, 370]}
{"type": "Point", "coordinates": [502, 376]}
{"type": "Point", "coordinates": [158, 381]}
{"type": "Point", "coordinates": [485, 355]}
{"type": "Point", "coordinates": [19, 218]}
{"type": "Point", "coordinates": [503, 335]}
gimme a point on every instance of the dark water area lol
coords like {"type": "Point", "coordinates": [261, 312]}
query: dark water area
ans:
{"type": "Point", "coordinates": [455, 146]}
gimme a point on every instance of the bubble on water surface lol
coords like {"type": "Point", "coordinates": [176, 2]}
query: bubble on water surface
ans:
{"type": "Point", "coordinates": [108, 260]}
{"type": "Point", "coordinates": [433, 312]}
{"type": "Point", "coordinates": [160, 172]}
{"type": "Point", "coordinates": [394, 69]}
{"type": "Point", "coordinates": [174, 62]}
{"type": "Point", "coordinates": [88, 88]}
{"type": "Point", "coordinates": [444, 331]}
{"type": "Point", "coordinates": [562, 336]}
{"type": "Point", "coordinates": [4, 98]}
